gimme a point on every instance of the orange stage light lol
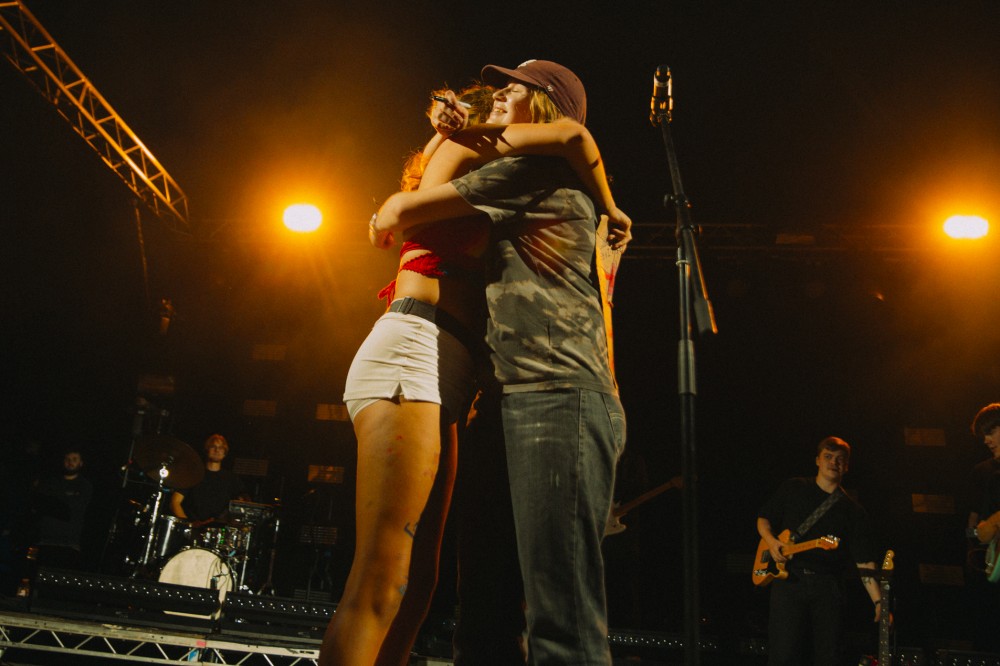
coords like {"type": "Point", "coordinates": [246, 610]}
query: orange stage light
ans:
{"type": "Point", "coordinates": [966, 226]}
{"type": "Point", "coordinates": [302, 218]}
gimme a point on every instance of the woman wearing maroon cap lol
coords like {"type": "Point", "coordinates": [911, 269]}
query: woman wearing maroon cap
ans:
{"type": "Point", "coordinates": [561, 86]}
{"type": "Point", "coordinates": [536, 496]}
{"type": "Point", "coordinates": [400, 477]}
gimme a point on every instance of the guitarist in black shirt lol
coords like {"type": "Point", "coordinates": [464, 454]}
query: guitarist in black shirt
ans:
{"type": "Point", "coordinates": [984, 503]}
{"type": "Point", "coordinates": [806, 605]}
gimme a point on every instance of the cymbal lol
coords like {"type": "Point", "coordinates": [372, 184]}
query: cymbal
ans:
{"type": "Point", "coordinates": [184, 466]}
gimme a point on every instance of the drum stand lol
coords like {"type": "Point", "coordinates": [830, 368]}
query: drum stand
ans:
{"type": "Point", "coordinates": [143, 565]}
{"type": "Point", "coordinates": [268, 585]}
{"type": "Point", "coordinates": [246, 560]}
{"type": "Point", "coordinates": [138, 423]}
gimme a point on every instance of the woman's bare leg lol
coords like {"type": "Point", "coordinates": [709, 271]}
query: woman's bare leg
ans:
{"type": "Point", "coordinates": [398, 450]}
{"type": "Point", "coordinates": [425, 559]}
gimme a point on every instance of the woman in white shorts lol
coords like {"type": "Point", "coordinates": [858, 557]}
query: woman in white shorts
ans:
{"type": "Point", "coordinates": [412, 379]}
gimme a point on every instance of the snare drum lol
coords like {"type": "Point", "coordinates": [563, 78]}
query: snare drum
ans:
{"type": "Point", "coordinates": [228, 540]}
{"type": "Point", "coordinates": [173, 534]}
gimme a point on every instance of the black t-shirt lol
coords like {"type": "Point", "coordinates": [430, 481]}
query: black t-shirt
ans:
{"type": "Point", "coordinates": [210, 498]}
{"type": "Point", "coordinates": [61, 506]}
{"type": "Point", "coordinates": [795, 500]}
{"type": "Point", "coordinates": [986, 488]}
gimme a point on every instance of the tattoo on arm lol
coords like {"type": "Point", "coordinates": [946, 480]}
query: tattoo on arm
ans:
{"type": "Point", "coordinates": [412, 531]}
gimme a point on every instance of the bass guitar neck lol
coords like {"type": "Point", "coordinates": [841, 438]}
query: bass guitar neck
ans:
{"type": "Point", "coordinates": [885, 619]}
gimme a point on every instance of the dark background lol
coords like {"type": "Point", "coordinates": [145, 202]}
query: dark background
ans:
{"type": "Point", "coordinates": [861, 124]}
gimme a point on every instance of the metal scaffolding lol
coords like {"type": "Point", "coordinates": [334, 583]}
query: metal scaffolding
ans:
{"type": "Point", "coordinates": [894, 242]}
{"type": "Point", "coordinates": [141, 645]}
{"type": "Point", "coordinates": [33, 52]}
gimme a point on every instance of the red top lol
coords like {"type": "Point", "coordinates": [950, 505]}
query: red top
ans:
{"type": "Point", "coordinates": [450, 251]}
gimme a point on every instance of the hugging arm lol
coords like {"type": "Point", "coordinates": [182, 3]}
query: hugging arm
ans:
{"type": "Point", "coordinates": [564, 138]}
{"type": "Point", "coordinates": [405, 210]}
{"type": "Point", "coordinates": [437, 200]}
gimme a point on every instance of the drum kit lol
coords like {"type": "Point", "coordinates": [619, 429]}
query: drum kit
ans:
{"type": "Point", "coordinates": [223, 555]}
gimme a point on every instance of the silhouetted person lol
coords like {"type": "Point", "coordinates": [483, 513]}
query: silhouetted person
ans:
{"type": "Point", "coordinates": [60, 506]}
{"type": "Point", "coordinates": [983, 527]}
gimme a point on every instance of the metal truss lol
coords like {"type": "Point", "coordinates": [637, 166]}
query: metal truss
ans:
{"type": "Point", "coordinates": [33, 52]}
{"type": "Point", "coordinates": [107, 641]}
{"type": "Point", "coordinates": [655, 240]}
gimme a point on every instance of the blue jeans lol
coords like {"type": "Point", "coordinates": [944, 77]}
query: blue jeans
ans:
{"type": "Point", "coordinates": [561, 449]}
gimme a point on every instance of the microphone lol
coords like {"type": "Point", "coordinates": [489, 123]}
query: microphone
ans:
{"type": "Point", "coordinates": [662, 103]}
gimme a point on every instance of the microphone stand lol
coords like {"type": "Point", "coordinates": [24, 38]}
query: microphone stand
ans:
{"type": "Point", "coordinates": [693, 297]}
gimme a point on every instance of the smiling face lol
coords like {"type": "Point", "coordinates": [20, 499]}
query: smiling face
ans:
{"type": "Point", "coordinates": [992, 441]}
{"type": "Point", "coordinates": [832, 465]}
{"type": "Point", "coordinates": [511, 104]}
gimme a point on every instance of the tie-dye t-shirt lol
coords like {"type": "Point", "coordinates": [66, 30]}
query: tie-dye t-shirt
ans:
{"type": "Point", "coordinates": [546, 326]}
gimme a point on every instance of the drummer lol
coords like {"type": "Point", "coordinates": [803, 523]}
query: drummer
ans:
{"type": "Point", "coordinates": [208, 501]}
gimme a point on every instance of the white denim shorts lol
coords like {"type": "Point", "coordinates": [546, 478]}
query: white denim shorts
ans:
{"type": "Point", "coordinates": [405, 355]}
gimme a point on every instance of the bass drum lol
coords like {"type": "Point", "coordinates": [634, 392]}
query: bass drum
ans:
{"type": "Point", "coordinates": [197, 567]}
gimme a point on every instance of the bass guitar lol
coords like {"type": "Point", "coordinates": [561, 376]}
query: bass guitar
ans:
{"type": "Point", "coordinates": [992, 570]}
{"type": "Point", "coordinates": [615, 525]}
{"type": "Point", "coordinates": [885, 620]}
{"type": "Point", "coordinates": [765, 569]}
{"type": "Point", "coordinates": [990, 529]}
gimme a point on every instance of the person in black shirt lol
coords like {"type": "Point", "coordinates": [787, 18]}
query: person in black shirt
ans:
{"type": "Point", "coordinates": [986, 474]}
{"type": "Point", "coordinates": [807, 606]}
{"type": "Point", "coordinates": [209, 500]}
{"type": "Point", "coordinates": [60, 504]}
{"type": "Point", "coordinates": [983, 527]}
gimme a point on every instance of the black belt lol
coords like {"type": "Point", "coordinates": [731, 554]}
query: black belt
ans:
{"type": "Point", "coordinates": [444, 321]}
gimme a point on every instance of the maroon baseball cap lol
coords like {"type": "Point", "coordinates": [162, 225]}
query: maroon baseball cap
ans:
{"type": "Point", "coordinates": [562, 85]}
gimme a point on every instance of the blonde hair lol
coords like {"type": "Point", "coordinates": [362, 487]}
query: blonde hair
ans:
{"type": "Point", "coordinates": [543, 109]}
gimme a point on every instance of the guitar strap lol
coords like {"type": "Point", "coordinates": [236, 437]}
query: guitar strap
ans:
{"type": "Point", "coordinates": [818, 513]}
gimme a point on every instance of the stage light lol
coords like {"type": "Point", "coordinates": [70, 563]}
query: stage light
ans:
{"type": "Point", "coordinates": [302, 218]}
{"type": "Point", "coordinates": [75, 594]}
{"type": "Point", "coordinates": [260, 616]}
{"type": "Point", "coordinates": [966, 226]}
